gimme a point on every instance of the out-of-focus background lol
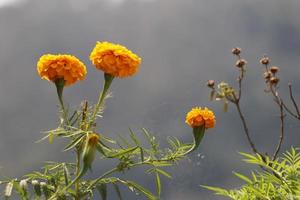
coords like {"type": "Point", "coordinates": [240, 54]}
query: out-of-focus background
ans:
{"type": "Point", "coordinates": [183, 44]}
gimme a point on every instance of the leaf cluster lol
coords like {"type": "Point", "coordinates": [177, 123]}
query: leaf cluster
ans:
{"type": "Point", "coordinates": [280, 179]}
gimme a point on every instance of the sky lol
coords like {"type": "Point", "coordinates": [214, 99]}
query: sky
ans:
{"type": "Point", "coordinates": [182, 44]}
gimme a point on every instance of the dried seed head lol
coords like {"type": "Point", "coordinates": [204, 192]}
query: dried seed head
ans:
{"type": "Point", "coordinates": [236, 51]}
{"type": "Point", "coordinates": [240, 63]}
{"type": "Point", "coordinates": [210, 83]}
{"type": "Point", "coordinates": [264, 60]}
{"type": "Point", "coordinates": [274, 80]}
{"type": "Point", "coordinates": [267, 75]}
{"type": "Point", "coordinates": [274, 69]}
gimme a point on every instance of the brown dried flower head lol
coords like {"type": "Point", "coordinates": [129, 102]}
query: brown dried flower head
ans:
{"type": "Point", "coordinates": [210, 83]}
{"type": "Point", "coordinates": [236, 51]}
{"type": "Point", "coordinates": [274, 69]}
{"type": "Point", "coordinates": [274, 80]}
{"type": "Point", "coordinates": [240, 63]}
{"type": "Point", "coordinates": [267, 75]}
{"type": "Point", "coordinates": [265, 60]}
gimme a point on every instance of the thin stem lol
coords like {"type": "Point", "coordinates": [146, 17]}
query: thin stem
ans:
{"type": "Point", "coordinates": [77, 188]}
{"type": "Point", "coordinates": [280, 104]}
{"type": "Point", "coordinates": [107, 82]}
{"type": "Point", "coordinates": [246, 130]}
{"type": "Point", "coordinates": [293, 100]}
{"type": "Point", "coordinates": [281, 132]}
{"type": "Point", "coordinates": [59, 83]}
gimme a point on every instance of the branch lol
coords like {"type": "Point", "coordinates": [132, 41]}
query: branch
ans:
{"type": "Point", "coordinates": [246, 130]}
{"type": "Point", "coordinates": [281, 131]}
{"type": "Point", "coordinates": [293, 100]}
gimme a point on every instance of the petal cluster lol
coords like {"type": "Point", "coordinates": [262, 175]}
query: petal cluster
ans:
{"type": "Point", "coordinates": [115, 59]}
{"type": "Point", "coordinates": [52, 67]}
{"type": "Point", "coordinates": [199, 117]}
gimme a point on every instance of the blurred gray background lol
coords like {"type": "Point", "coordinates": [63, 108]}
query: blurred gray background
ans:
{"type": "Point", "coordinates": [183, 43]}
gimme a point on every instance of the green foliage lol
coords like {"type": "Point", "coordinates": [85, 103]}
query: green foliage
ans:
{"type": "Point", "coordinates": [278, 179]}
{"type": "Point", "coordinates": [65, 181]}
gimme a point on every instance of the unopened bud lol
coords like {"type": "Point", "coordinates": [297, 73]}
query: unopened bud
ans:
{"type": "Point", "coordinates": [267, 75]}
{"type": "Point", "coordinates": [274, 69]}
{"type": "Point", "coordinates": [240, 63]}
{"type": "Point", "coordinates": [8, 189]}
{"type": "Point", "coordinates": [43, 184]}
{"type": "Point", "coordinates": [90, 149]}
{"type": "Point", "coordinates": [265, 60]}
{"type": "Point", "coordinates": [236, 51]}
{"type": "Point", "coordinates": [36, 187]}
{"type": "Point", "coordinates": [23, 184]}
{"type": "Point", "coordinates": [210, 83]}
{"type": "Point", "coordinates": [274, 80]}
{"type": "Point", "coordinates": [45, 189]}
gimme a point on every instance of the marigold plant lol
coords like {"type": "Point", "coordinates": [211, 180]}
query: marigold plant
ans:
{"type": "Point", "coordinates": [67, 180]}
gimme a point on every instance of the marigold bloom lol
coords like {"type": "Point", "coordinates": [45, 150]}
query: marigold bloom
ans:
{"type": "Point", "coordinates": [52, 67]}
{"type": "Point", "coordinates": [115, 59]}
{"type": "Point", "coordinates": [198, 117]}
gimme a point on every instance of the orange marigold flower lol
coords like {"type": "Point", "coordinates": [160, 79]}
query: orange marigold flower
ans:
{"type": "Point", "coordinates": [52, 67]}
{"type": "Point", "coordinates": [198, 117]}
{"type": "Point", "coordinates": [115, 59]}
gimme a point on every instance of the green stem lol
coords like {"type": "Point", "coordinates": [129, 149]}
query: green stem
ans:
{"type": "Point", "coordinates": [59, 83]}
{"type": "Point", "coordinates": [78, 154]}
{"type": "Point", "coordinates": [107, 82]}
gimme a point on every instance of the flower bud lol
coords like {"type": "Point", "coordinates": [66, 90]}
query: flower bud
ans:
{"type": "Point", "coordinates": [210, 83]}
{"type": "Point", "coordinates": [36, 187]}
{"type": "Point", "coordinates": [90, 149]}
{"type": "Point", "coordinates": [240, 63]}
{"type": "Point", "coordinates": [45, 190]}
{"type": "Point", "coordinates": [264, 60]}
{"type": "Point", "coordinates": [23, 184]}
{"type": "Point", "coordinates": [274, 69]}
{"type": "Point", "coordinates": [8, 189]}
{"type": "Point", "coordinates": [236, 51]}
{"type": "Point", "coordinates": [274, 80]}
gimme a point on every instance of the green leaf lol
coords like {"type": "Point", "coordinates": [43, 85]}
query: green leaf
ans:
{"type": "Point", "coordinates": [141, 189]}
{"type": "Point", "coordinates": [158, 184]}
{"type": "Point", "coordinates": [66, 174]}
{"type": "Point", "coordinates": [134, 138]}
{"type": "Point", "coordinates": [166, 174]}
{"type": "Point", "coordinates": [75, 142]}
{"type": "Point", "coordinates": [117, 189]}
{"type": "Point", "coordinates": [217, 190]}
{"type": "Point", "coordinates": [122, 152]}
{"type": "Point", "coordinates": [102, 189]}
{"type": "Point", "coordinates": [246, 179]}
